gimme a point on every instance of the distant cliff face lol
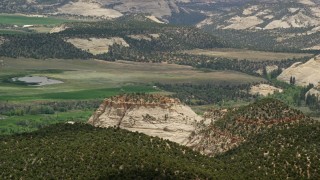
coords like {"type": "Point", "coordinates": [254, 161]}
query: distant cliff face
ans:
{"type": "Point", "coordinates": [154, 115]}
{"type": "Point", "coordinates": [304, 74]}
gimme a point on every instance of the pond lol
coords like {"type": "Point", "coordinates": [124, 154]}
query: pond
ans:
{"type": "Point", "coordinates": [36, 80]}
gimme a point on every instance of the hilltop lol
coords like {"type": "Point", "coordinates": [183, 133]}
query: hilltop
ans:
{"type": "Point", "coordinates": [238, 125]}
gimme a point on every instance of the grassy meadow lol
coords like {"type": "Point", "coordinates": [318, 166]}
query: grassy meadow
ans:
{"type": "Point", "coordinates": [246, 54]}
{"type": "Point", "coordinates": [90, 79]}
{"type": "Point", "coordinates": [40, 24]}
{"type": "Point", "coordinates": [13, 19]}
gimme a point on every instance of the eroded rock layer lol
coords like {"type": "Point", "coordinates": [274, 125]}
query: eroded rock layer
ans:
{"type": "Point", "coordinates": [154, 115]}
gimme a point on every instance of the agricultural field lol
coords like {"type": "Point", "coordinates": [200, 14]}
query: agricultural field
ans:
{"type": "Point", "coordinates": [15, 23]}
{"type": "Point", "coordinates": [21, 20]}
{"type": "Point", "coordinates": [89, 79]}
{"type": "Point", "coordinates": [242, 54]}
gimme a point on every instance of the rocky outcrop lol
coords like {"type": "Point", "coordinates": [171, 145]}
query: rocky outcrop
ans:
{"type": "Point", "coordinates": [97, 45]}
{"type": "Point", "coordinates": [2, 40]}
{"type": "Point", "coordinates": [88, 8]}
{"type": "Point", "coordinates": [154, 115]}
{"type": "Point", "coordinates": [304, 74]}
{"type": "Point", "coordinates": [264, 89]}
{"type": "Point", "coordinates": [314, 91]}
{"type": "Point", "coordinates": [58, 29]}
{"type": "Point", "coordinates": [258, 15]}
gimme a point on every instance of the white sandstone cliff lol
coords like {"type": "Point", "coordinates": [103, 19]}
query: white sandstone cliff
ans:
{"type": "Point", "coordinates": [153, 115]}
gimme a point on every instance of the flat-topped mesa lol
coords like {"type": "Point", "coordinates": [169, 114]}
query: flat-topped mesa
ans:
{"type": "Point", "coordinates": [152, 114]}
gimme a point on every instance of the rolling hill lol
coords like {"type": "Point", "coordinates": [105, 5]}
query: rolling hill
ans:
{"type": "Point", "coordinates": [281, 149]}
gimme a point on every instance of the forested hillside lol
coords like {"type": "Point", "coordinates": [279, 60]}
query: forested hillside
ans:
{"type": "Point", "coordinates": [82, 151]}
{"type": "Point", "coordinates": [144, 38]}
{"type": "Point", "coordinates": [288, 152]}
{"type": "Point", "coordinates": [282, 143]}
{"type": "Point", "coordinates": [241, 124]}
{"type": "Point", "coordinates": [290, 40]}
{"type": "Point", "coordinates": [40, 46]}
{"type": "Point", "coordinates": [209, 93]}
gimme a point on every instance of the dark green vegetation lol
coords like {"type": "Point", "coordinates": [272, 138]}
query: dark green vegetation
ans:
{"type": "Point", "coordinates": [287, 153]}
{"type": "Point", "coordinates": [18, 117]}
{"type": "Point", "coordinates": [39, 46]}
{"type": "Point", "coordinates": [21, 123]}
{"type": "Point", "coordinates": [82, 151]}
{"type": "Point", "coordinates": [277, 136]}
{"type": "Point", "coordinates": [282, 144]}
{"type": "Point", "coordinates": [259, 116]}
{"type": "Point", "coordinates": [252, 39]}
{"type": "Point", "coordinates": [209, 93]}
{"type": "Point", "coordinates": [298, 97]}
{"type": "Point", "coordinates": [246, 66]}
{"type": "Point", "coordinates": [240, 124]}
{"type": "Point", "coordinates": [172, 38]}
{"type": "Point", "coordinates": [265, 139]}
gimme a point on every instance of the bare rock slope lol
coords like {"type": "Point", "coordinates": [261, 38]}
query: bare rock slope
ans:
{"type": "Point", "coordinates": [264, 89]}
{"type": "Point", "coordinates": [154, 115]}
{"type": "Point", "coordinates": [269, 14]}
{"type": "Point", "coordinates": [304, 74]}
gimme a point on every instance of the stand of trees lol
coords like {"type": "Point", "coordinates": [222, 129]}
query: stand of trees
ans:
{"type": "Point", "coordinates": [292, 39]}
{"type": "Point", "coordinates": [20, 109]}
{"type": "Point", "coordinates": [209, 93]}
{"type": "Point", "coordinates": [40, 46]}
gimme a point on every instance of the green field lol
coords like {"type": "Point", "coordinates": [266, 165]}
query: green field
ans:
{"type": "Point", "coordinates": [246, 54]}
{"type": "Point", "coordinates": [90, 79]}
{"type": "Point", "coordinates": [27, 20]}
